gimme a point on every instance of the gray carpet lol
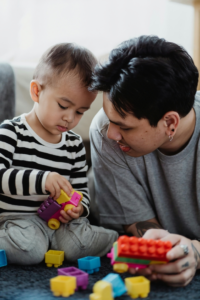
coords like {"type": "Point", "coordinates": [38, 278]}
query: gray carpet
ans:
{"type": "Point", "coordinates": [32, 282]}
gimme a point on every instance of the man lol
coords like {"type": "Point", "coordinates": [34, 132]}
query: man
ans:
{"type": "Point", "coordinates": [145, 150]}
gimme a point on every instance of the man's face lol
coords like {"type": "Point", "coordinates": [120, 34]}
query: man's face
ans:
{"type": "Point", "coordinates": [61, 106]}
{"type": "Point", "coordinates": [135, 137]}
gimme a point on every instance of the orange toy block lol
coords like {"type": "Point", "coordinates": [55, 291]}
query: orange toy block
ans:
{"type": "Point", "coordinates": [134, 247]}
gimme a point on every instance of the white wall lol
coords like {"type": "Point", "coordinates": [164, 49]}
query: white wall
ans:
{"type": "Point", "coordinates": [29, 27]}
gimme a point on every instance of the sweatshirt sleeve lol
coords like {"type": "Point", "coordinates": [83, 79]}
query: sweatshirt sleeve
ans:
{"type": "Point", "coordinates": [78, 177]}
{"type": "Point", "coordinates": [14, 181]}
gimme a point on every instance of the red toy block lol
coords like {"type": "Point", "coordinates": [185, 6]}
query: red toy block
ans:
{"type": "Point", "coordinates": [144, 249]}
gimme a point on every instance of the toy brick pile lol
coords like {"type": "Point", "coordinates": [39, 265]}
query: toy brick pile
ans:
{"type": "Point", "coordinates": [126, 252]}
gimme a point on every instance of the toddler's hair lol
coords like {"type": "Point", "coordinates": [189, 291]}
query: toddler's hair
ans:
{"type": "Point", "coordinates": [63, 58]}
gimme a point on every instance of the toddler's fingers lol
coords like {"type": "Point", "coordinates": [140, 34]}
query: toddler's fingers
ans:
{"type": "Point", "coordinates": [66, 187]}
{"type": "Point", "coordinates": [52, 191]}
{"type": "Point", "coordinates": [57, 190]}
{"type": "Point", "coordinates": [64, 216]}
{"type": "Point", "coordinates": [72, 214]}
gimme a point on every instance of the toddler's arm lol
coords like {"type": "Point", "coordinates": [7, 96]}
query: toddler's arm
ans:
{"type": "Point", "coordinates": [12, 180]}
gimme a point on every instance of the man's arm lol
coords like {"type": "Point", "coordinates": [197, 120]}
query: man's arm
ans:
{"type": "Point", "coordinates": [138, 229]}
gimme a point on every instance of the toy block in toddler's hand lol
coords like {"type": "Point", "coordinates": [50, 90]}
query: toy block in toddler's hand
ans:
{"type": "Point", "coordinates": [50, 209]}
{"type": "Point", "coordinates": [133, 247]}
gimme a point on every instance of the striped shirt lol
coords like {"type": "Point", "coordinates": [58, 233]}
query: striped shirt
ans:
{"type": "Point", "coordinates": [26, 160]}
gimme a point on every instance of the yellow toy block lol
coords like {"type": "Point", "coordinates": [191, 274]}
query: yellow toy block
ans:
{"type": "Point", "coordinates": [63, 285]}
{"type": "Point", "coordinates": [137, 286]}
{"type": "Point", "coordinates": [63, 197]}
{"type": "Point", "coordinates": [102, 290]}
{"type": "Point", "coordinates": [54, 257]}
{"type": "Point", "coordinates": [157, 262]}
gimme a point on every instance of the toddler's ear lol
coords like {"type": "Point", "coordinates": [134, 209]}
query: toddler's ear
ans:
{"type": "Point", "coordinates": [35, 89]}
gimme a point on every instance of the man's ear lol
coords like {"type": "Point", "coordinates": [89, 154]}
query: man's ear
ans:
{"type": "Point", "coordinates": [171, 120]}
{"type": "Point", "coordinates": [35, 89]}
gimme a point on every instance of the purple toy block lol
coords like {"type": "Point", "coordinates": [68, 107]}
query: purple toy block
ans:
{"type": "Point", "coordinates": [81, 277]}
{"type": "Point", "coordinates": [48, 208]}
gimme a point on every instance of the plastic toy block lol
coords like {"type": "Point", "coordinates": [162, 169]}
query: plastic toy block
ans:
{"type": "Point", "coordinates": [89, 264]}
{"type": "Point", "coordinates": [81, 277]}
{"type": "Point", "coordinates": [102, 290]}
{"type": "Point", "coordinates": [54, 257]}
{"type": "Point", "coordinates": [118, 286]}
{"type": "Point", "coordinates": [143, 249]}
{"type": "Point", "coordinates": [137, 286]}
{"type": "Point", "coordinates": [157, 262]}
{"type": "Point", "coordinates": [63, 285]}
{"type": "Point", "coordinates": [121, 267]}
{"type": "Point", "coordinates": [74, 199]}
{"type": "Point", "coordinates": [3, 258]}
{"type": "Point", "coordinates": [48, 208]}
{"type": "Point", "coordinates": [127, 259]}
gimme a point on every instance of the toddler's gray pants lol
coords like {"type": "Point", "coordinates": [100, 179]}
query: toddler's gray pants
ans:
{"type": "Point", "coordinates": [26, 239]}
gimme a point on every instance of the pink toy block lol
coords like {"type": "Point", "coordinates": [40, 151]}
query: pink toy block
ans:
{"type": "Point", "coordinates": [74, 199]}
{"type": "Point", "coordinates": [81, 276]}
{"type": "Point", "coordinates": [130, 265]}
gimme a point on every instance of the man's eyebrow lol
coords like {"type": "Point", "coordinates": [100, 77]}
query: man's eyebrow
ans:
{"type": "Point", "coordinates": [118, 123]}
{"type": "Point", "coordinates": [69, 101]}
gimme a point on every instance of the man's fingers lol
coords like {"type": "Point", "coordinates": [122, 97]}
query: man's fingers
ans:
{"type": "Point", "coordinates": [177, 252]}
{"type": "Point", "coordinates": [155, 234]}
{"type": "Point", "coordinates": [142, 272]}
{"type": "Point", "coordinates": [172, 268]}
{"type": "Point", "coordinates": [181, 279]}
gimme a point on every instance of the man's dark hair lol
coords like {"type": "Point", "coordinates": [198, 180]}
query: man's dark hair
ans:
{"type": "Point", "coordinates": [148, 76]}
{"type": "Point", "coordinates": [63, 58]}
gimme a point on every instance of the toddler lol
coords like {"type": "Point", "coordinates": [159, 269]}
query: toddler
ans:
{"type": "Point", "coordinates": [40, 155]}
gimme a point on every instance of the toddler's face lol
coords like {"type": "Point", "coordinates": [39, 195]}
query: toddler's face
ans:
{"type": "Point", "coordinates": [62, 105]}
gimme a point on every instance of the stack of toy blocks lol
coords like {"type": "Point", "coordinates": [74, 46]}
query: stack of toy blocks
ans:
{"type": "Point", "coordinates": [138, 253]}
{"type": "Point", "coordinates": [81, 277]}
{"type": "Point", "coordinates": [50, 209]}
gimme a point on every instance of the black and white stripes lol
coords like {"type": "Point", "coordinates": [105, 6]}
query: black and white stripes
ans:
{"type": "Point", "coordinates": [26, 160]}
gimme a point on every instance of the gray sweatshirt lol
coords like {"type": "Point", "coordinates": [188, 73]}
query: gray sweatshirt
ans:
{"type": "Point", "coordinates": [155, 185]}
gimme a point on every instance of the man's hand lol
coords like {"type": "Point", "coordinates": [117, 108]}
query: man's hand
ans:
{"type": "Point", "coordinates": [55, 182]}
{"type": "Point", "coordinates": [71, 214]}
{"type": "Point", "coordinates": [181, 268]}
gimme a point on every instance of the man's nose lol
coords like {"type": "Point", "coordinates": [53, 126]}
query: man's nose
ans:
{"type": "Point", "coordinates": [113, 132]}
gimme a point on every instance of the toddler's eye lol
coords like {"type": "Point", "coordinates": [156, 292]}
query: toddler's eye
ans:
{"type": "Point", "coordinates": [62, 106]}
{"type": "Point", "coordinates": [79, 113]}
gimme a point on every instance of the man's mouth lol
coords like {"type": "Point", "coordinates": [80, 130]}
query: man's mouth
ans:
{"type": "Point", "coordinates": [123, 147]}
{"type": "Point", "coordinates": [61, 128]}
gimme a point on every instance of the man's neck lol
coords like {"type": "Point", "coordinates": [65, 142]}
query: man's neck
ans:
{"type": "Point", "coordinates": [183, 135]}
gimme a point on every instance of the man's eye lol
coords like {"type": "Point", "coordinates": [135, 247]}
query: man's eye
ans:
{"type": "Point", "coordinates": [125, 129]}
{"type": "Point", "coordinates": [62, 106]}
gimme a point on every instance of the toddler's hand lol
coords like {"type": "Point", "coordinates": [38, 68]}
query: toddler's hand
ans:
{"type": "Point", "coordinates": [55, 182]}
{"type": "Point", "coordinates": [71, 214]}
